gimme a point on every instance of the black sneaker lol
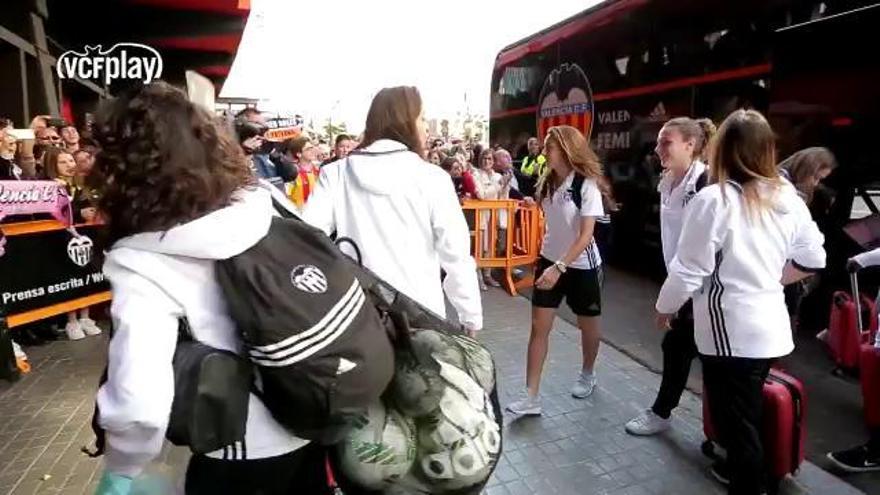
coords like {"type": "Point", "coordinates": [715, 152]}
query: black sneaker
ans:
{"type": "Point", "coordinates": [720, 472]}
{"type": "Point", "coordinates": [855, 460]}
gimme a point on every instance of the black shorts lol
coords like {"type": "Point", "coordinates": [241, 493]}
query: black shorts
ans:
{"type": "Point", "coordinates": [580, 288]}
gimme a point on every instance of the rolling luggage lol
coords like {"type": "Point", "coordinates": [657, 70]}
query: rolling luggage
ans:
{"type": "Point", "coordinates": [870, 377]}
{"type": "Point", "coordinates": [783, 429]}
{"type": "Point", "coordinates": [846, 329]}
{"type": "Point", "coordinates": [869, 374]}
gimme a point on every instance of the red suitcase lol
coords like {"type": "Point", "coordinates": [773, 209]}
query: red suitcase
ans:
{"type": "Point", "coordinates": [846, 332]}
{"type": "Point", "coordinates": [784, 429]}
{"type": "Point", "coordinates": [869, 375]}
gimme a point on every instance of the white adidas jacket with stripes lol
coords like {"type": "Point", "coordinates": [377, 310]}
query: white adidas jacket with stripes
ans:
{"type": "Point", "coordinates": [731, 264]}
{"type": "Point", "coordinates": [156, 279]}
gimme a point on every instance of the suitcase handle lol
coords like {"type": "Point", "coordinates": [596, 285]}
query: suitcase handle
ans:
{"type": "Point", "coordinates": [857, 299]}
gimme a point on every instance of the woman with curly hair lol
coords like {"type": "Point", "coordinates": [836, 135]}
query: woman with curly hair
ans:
{"type": "Point", "coordinates": [177, 196]}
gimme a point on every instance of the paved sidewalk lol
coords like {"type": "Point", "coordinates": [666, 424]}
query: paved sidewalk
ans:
{"type": "Point", "coordinates": [577, 447]}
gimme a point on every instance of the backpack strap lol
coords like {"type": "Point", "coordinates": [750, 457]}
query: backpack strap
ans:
{"type": "Point", "coordinates": [576, 185]}
{"type": "Point", "coordinates": [702, 181]}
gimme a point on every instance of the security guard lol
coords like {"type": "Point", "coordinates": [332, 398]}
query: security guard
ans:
{"type": "Point", "coordinates": [532, 167]}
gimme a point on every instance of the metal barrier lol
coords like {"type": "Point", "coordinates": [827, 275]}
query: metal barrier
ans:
{"type": "Point", "coordinates": [506, 235]}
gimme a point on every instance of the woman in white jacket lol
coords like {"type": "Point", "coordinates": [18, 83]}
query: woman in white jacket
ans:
{"type": "Point", "coordinates": [680, 144]}
{"type": "Point", "coordinates": [401, 211]}
{"type": "Point", "coordinates": [743, 238]}
{"type": "Point", "coordinates": [178, 195]}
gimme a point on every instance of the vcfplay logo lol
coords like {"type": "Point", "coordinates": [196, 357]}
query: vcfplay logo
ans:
{"type": "Point", "coordinates": [122, 61]}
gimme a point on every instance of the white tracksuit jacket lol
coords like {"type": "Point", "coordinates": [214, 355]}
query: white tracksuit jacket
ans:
{"type": "Point", "coordinates": [731, 264]}
{"type": "Point", "coordinates": [405, 217]}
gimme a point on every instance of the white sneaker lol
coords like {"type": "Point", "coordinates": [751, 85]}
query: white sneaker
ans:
{"type": "Point", "coordinates": [89, 326]}
{"type": "Point", "coordinates": [74, 331]}
{"type": "Point", "coordinates": [526, 406]}
{"type": "Point", "coordinates": [584, 386]}
{"type": "Point", "coordinates": [648, 423]}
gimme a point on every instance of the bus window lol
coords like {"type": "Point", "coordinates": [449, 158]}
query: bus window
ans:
{"type": "Point", "coordinates": [517, 85]}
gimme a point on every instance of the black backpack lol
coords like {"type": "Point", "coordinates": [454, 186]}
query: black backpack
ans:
{"type": "Point", "coordinates": [320, 348]}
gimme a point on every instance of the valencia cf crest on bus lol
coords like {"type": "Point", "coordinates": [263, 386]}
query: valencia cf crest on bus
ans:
{"type": "Point", "coordinates": [566, 99]}
{"type": "Point", "coordinates": [79, 250]}
{"type": "Point", "coordinates": [309, 278]}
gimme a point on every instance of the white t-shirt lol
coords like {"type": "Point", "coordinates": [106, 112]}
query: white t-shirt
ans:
{"type": "Point", "coordinates": [562, 222]}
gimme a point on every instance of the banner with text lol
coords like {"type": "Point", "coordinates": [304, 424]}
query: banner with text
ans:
{"type": "Point", "coordinates": [50, 267]}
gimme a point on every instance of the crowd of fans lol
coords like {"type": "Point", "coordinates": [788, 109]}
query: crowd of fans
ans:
{"type": "Point", "coordinates": [54, 149]}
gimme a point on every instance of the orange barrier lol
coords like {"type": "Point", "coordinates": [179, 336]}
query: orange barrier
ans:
{"type": "Point", "coordinates": [506, 234]}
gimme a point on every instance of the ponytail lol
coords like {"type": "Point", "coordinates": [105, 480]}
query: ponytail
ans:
{"type": "Point", "coordinates": [700, 130]}
{"type": "Point", "coordinates": [708, 129]}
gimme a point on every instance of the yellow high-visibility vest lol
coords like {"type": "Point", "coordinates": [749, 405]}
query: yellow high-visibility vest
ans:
{"type": "Point", "coordinates": [533, 166]}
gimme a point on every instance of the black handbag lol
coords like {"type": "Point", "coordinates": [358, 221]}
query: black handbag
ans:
{"type": "Point", "coordinates": [211, 395]}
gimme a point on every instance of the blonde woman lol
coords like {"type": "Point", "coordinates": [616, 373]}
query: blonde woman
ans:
{"type": "Point", "coordinates": [489, 185]}
{"type": "Point", "coordinates": [568, 268]}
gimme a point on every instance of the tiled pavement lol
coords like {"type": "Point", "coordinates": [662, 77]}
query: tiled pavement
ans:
{"type": "Point", "coordinates": [577, 447]}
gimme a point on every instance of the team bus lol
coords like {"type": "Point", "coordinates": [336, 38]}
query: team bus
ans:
{"type": "Point", "coordinates": [620, 69]}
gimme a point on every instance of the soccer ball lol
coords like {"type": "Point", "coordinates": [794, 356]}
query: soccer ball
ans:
{"type": "Point", "coordinates": [458, 444]}
{"type": "Point", "coordinates": [460, 351]}
{"type": "Point", "coordinates": [415, 390]}
{"type": "Point", "coordinates": [380, 449]}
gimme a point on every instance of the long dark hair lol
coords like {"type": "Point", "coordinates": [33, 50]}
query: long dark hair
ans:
{"type": "Point", "coordinates": [163, 161]}
{"type": "Point", "coordinates": [394, 115]}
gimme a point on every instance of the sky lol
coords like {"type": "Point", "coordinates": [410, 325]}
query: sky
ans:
{"type": "Point", "coordinates": [326, 59]}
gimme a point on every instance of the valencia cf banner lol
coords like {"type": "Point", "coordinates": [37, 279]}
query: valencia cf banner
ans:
{"type": "Point", "coordinates": [566, 99]}
{"type": "Point", "coordinates": [49, 267]}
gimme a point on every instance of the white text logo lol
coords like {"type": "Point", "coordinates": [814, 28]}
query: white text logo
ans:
{"type": "Point", "coordinates": [122, 61]}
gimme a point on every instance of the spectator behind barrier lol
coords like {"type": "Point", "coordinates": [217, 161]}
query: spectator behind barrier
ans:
{"type": "Point", "coordinates": [504, 166]}
{"type": "Point", "coordinates": [61, 166]}
{"type": "Point", "coordinates": [250, 137]}
{"type": "Point", "coordinates": [461, 180]}
{"type": "Point", "coordinates": [436, 157]}
{"type": "Point", "coordinates": [303, 154]}
{"type": "Point", "coordinates": [70, 138]}
{"type": "Point", "coordinates": [344, 145]}
{"type": "Point", "coordinates": [9, 170]}
{"type": "Point", "coordinates": [490, 186]}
